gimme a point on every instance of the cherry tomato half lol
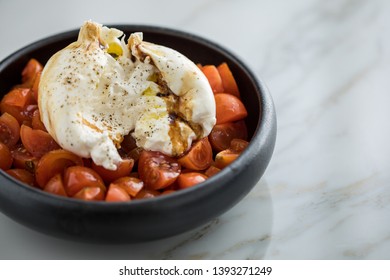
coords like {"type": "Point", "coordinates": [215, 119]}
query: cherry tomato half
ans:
{"type": "Point", "coordinates": [77, 178]}
{"type": "Point", "coordinates": [23, 159]}
{"type": "Point", "coordinates": [91, 193]}
{"type": "Point", "coordinates": [117, 194]}
{"type": "Point", "coordinates": [37, 142]}
{"type": "Point", "coordinates": [190, 179]}
{"type": "Point", "coordinates": [211, 171]}
{"type": "Point", "coordinates": [222, 134]}
{"type": "Point", "coordinates": [147, 194]}
{"type": "Point", "coordinates": [22, 175]}
{"type": "Point", "coordinates": [225, 157]}
{"type": "Point", "coordinates": [131, 185]}
{"type": "Point", "coordinates": [9, 130]}
{"type": "Point", "coordinates": [56, 186]}
{"type": "Point", "coordinates": [229, 108]}
{"type": "Point", "coordinates": [214, 78]}
{"type": "Point", "coordinates": [54, 162]}
{"type": "Point", "coordinates": [123, 169]}
{"type": "Point", "coordinates": [19, 103]}
{"type": "Point", "coordinates": [5, 157]}
{"type": "Point", "coordinates": [157, 170]}
{"type": "Point", "coordinates": [199, 156]}
{"type": "Point", "coordinates": [228, 81]}
{"type": "Point", "coordinates": [36, 121]}
{"type": "Point", "coordinates": [35, 86]}
{"type": "Point", "coordinates": [30, 71]}
{"type": "Point", "coordinates": [238, 145]}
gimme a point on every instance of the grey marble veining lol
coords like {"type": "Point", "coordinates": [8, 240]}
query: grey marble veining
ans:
{"type": "Point", "coordinates": [326, 192]}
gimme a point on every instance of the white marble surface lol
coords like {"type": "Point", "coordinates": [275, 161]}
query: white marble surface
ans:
{"type": "Point", "coordinates": [326, 192]}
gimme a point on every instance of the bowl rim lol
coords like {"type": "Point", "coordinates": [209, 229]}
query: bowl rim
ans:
{"type": "Point", "coordinates": [261, 133]}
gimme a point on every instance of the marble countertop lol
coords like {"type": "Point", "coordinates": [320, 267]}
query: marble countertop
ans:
{"type": "Point", "coordinates": [326, 192]}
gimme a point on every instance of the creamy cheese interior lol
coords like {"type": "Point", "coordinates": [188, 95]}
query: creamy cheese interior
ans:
{"type": "Point", "coordinates": [99, 89]}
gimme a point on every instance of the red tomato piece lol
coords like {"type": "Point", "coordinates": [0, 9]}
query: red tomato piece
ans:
{"type": "Point", "coordinates": [199, 156]}
{"type": "Point", "coordinates": [131, 185]}
{"type": "Point", "coordinates": [23, 159]}
{"type": "Point", "coordinates": [5, 157]}
{"type": "Point", "coordinates": [225, 157]}
{"type": "Point", "coordinates": [190, 179]}
{"type": "Point", "coordinates": [229, 108]}
{"type": "Point", "coordinates": [30, 72]}
{"type": "Point", "coordinates": [123, 169]}
{"type": "Point", "coordinates": [222, 134]}
{"type": "Point", "coordinates": [36, 86]}
{"type": "Point", "coordinates": [9, 130]}
{"type": "Point", "coordinates": [228, 81]}
{"type": "Point", "coordinates": [76, 178]}
{"type": "Point", "coordinates": [211, 171]}
{"type": "Point", "coordinates": [22, 175]}
{"type": "Point", "coordinates": [54, 162]}
{"type": "Point", "coordinates": [212, 75]}
{"type": "Point", "coordinates": [56, 186]}
{"type": "Point", "coordinates": [37, 142]}
{"type": "Point", "coordinates": [157, 170]}
{"type": "Point", "coordinates": [238, 145]}
{"type": "Point", "coordinates": [147, 194]}
{"type": "Point", "coordinates": [36, 122]}
{"type": "Point", "coordinates": [91, 193]}
{"type": "Point", "coordinates": [17, 103]}
{"type": "Point", "coordinates": [117, 194]}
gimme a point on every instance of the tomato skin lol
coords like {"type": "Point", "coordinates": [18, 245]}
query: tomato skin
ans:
{"type": "Point", "coordinates": [214, 78]}
{"type": "Point", "coordinates": [211, 171]}
{"type": "Point", "coordinates": [9, 130]}
{"type": "Point", "coordinates": [147, 194]}
{"type": "Point", "coordinates": [199, 157]}
{"type": "Point", "coordinates": [229, 108]}
{"type": "Point", "coordinates": [5, 157]}
{"type": "Point", "coordinates": [123, 169]}
{"type": "Point", "coordinates": [117, 194]}
{"type": "Point", "coordinates": [23, 159]}
{"type": "Point", "coordinates": [77, 178]}
{"type": "Point", "coordinates": [22, 175]}
{"type": "Point", "coordinates": [37, 142]}
{"type": "Point", "coordinates": [157, 170]}
{"type": "Point", "coordinates": [35, 86]}
{"type": "Point", "coordinates": [222, 134]}
{"type": "Point", "coordinates": [228, 81]}
{"type": "Point", "coordinates": [54, 162]}
{"type": "Point", "coordinates": [238, 145]}
{"type": "Point", "coordinates": [30, 71]}
{"type": "Point", "coordinates": [130, 185]}
{"type": "Point", "coordinates": [190, 179]}
{"type": "Point", "coordinates": [19, 103]}
{"type": "Point", "coordinates": [225, 157]}
{"type": "Point", "coordinates": [90, 193]}
{"type": "Point", "coordinates": [27, 114]}
{"type": "Point", "coordinates": [36, 122]}
{"type": "Point", "coordinates": [19, 97]}
{"type": "Point", "coordinates": [56, 186]}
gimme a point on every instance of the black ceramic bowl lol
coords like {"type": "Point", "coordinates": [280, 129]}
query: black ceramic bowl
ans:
{"type": "Point", "coordinates": [158, 217]}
